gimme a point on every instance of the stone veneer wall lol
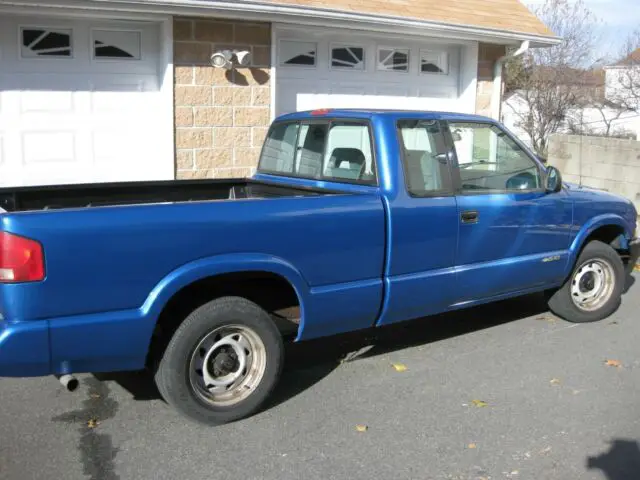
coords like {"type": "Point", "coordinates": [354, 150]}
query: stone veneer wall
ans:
{"type": "Point", "coordinates": [487, 56]}
{"type": "Point", "coordinates": [221, 116]}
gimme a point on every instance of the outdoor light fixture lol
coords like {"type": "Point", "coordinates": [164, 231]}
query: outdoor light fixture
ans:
{"type": "Point", "coordinates": [226, 58]}
{"type": "Point", "coordinates": [222, 59]}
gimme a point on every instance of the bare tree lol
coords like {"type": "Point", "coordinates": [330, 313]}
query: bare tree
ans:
{"type": "Point", "coordinates": [624, 85]}
{"type": "Point", "coordinates": [552, 80]}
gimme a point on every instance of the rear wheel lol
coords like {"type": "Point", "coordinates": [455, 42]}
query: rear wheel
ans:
{"type": "Point", "coordinates": [222, 362]}
{"type": "Point", "coordinates": [594, 289]}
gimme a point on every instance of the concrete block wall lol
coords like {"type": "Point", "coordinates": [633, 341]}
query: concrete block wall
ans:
{"type": "Point", "coordinates": [221, 116]}
{"type": "Point", "coordinates": [606, 163]}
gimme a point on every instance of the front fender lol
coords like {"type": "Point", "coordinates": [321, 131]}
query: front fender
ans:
{"type": "Point", "coordinates": [220, 265]}
{"type": "Point", "coordinates": [591, 226]}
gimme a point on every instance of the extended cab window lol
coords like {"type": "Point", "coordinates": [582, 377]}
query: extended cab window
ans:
{"type": "Point", "coordinates": [489, 160]}
{"type": "Point", "coordinates": [333, 151]}
{"type": "Point", "coordinates": [424, 154]}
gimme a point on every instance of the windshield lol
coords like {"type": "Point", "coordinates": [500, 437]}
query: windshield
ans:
{"type": "Point", "coordinates": [338, 151]}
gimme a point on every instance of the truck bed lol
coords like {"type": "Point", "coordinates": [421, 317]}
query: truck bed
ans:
{"type": "Point", "coordinates": [52, 197]}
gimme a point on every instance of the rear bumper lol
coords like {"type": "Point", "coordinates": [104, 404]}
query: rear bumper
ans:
{"type": "Point", "coordinates": [103, 342]}
{"type": "Point", "coordinates": [24, 349]}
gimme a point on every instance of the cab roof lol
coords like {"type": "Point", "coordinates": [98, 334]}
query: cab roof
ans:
{"type": "Point", "coordinates": [371, 113]}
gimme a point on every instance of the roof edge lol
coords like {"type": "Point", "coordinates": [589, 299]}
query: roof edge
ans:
{"type": "Point", "coordinates": [276, 12]}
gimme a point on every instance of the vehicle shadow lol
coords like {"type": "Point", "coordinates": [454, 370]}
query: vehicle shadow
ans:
{"type": "Point", "coordinates": [621, 462]}
{"type": "Point", "coordinates": [630, 280]}
{"type": "Point", "coordinates": [309, 362]}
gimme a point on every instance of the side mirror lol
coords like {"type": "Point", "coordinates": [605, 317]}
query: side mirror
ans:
{"type": "Point", "coordinates": [553, 181]}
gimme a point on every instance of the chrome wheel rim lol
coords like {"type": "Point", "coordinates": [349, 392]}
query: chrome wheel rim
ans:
{"type": "Point", "coordinates": [592, 285]}
{"type": "Point", "coordinates": [227, 365]}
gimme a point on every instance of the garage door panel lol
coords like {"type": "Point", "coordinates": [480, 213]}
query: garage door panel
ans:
{"type": "Point", "coordinates": [46, 102]}
{"type": "Point", "coordinates": [118, 146]}
{"type": "Point", "coordinates": [392, 90]}
{"type": "Point", "coordinates": [430, 92]}
{"type": "Point", "coordinates": [53, 146]}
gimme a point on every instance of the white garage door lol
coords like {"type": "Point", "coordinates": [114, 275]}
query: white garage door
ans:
{"type": "Point", "coordinates": [316, 70]}
{"type": "Point", "coordinates": [79, 102]}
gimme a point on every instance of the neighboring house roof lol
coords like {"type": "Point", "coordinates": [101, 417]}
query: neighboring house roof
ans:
{"type": "Point", "coordinates": [592, 80]}
{"type": "Point", "coordinates": [508, 15]}
{"type": "Point", "coordinates": [632, 59]}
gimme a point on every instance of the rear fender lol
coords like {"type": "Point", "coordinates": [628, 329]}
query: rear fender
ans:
{"type": "Point", "coordinates": [220, 265]}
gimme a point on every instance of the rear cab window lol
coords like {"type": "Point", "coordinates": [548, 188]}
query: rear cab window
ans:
{"type": "Point", "coordinates": [328, 150]}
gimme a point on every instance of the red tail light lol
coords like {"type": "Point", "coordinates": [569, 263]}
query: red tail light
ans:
{"type": "Point", "coordinates": [21, 259]}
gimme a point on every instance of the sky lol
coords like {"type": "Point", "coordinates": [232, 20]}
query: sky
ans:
{"type": "Point", "coordinates": [620, 18]}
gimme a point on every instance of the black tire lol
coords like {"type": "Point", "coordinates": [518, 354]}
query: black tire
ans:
{"type": "Point", "coordinates": [173, 373]}
{"type": "Point", "coordinates": [561, 302]}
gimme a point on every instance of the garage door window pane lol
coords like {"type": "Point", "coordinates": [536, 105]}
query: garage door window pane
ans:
{"type": "Point", "coordinates": [433, 62]}
{"type": "Point", "coordinates": [297, 53]}
{"type": "Point", "coordinates": [45, 42]}
{"type": "Point", "coordinates": [490, 161]}
{"type": "Point", "coordinates": [393, 59]}
{"type": "Point", "coordinates": [347, 57]}
{"type": "Point", "coordinates": [110, 44]}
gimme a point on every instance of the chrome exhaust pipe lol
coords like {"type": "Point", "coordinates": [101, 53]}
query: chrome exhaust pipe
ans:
{"type": "Point", "coordinates": [69, 382]}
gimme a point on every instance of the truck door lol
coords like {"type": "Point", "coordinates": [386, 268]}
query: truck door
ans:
{"type": "Point", "coordinates": [422, 223]}
{"type": "Point", "coordinates": [513, 235]}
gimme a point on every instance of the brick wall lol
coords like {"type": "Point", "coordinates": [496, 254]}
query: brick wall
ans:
{"type": "Point", "coordinates": [221, 116]}
{"type": "Point", "coordinates": [487, 56]}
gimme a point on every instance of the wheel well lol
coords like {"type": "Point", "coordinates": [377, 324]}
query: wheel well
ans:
{"type": "Point", "coordinates": [270, 291]}
{"type": "Point", "coordinates": [608, 234]}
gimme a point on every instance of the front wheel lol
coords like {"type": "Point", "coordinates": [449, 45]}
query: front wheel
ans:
{"type": "Point", "coordinates": [222, 362]}
{"type": "Point", "coordinates": [594, 289]}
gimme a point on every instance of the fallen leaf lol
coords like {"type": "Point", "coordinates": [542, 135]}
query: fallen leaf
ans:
{"type": "Point", "coordinates": [576, 392]}
{"type": "Point", "coordinates": [547, 318]}
{"type": "Point", "coordinates": [514, 472]}
{"type": "Point", "coordinates": [613, 363]}
{"type": "Point", "coordinates": [93, 423]}
{"type": "Point", "coordinates": [636, 268]}
{"type": "Point", "coordinates": [545, 450]}
{"type": "Point", "coordinates": [400, 367]}
{"type": "Point", "coordinates": [479, 403]}
{"type": "Point", "coordinates": [472, 445]}
{"type": "Point", "coordinates": [613, 323]}
{"type": "Point", "coordinates": [555, 381]}
{"type": "Point", "coordinates": [95, 395]}
{"type": "Point", "coordinates": [361, 428]}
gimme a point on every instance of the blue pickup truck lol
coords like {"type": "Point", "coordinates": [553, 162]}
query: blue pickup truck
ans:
{"type": "Point", "coordinates": [354, 219]}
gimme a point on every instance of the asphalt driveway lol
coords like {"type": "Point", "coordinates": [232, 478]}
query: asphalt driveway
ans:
{"type": "Point", "coordinates": [502, 391]}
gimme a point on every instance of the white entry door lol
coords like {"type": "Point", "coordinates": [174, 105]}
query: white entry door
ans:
{"type": "Point", "coordinates": [80, 102]}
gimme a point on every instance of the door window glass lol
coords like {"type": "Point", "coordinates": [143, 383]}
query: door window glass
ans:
{"type": "Point", "coordinates": [489, 160]}
{"type": "Point", "coordinates": [424, 155]}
